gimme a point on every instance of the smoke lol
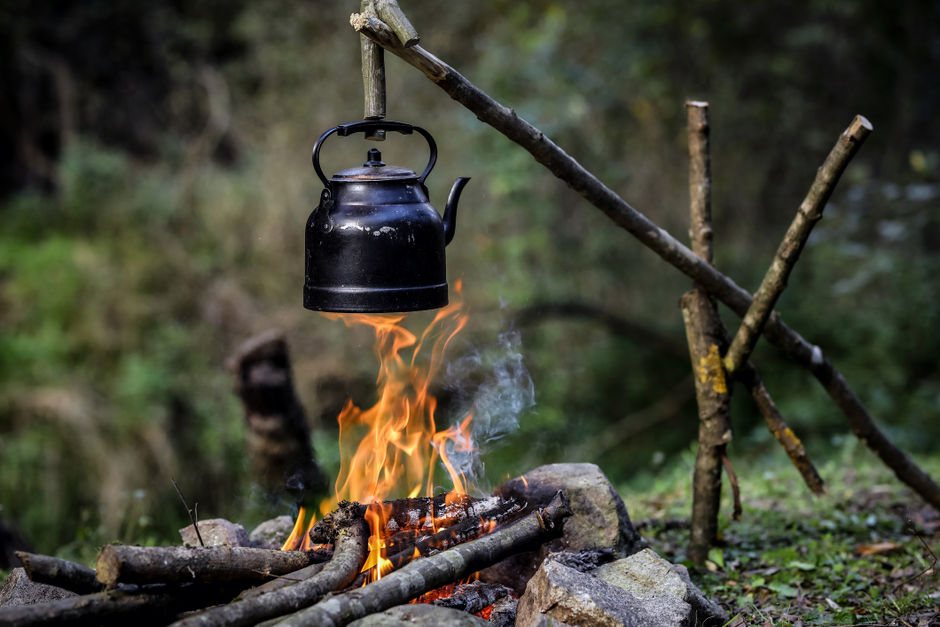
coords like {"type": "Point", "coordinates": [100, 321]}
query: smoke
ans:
{"type": "Point", "coordinates": [494, 385]}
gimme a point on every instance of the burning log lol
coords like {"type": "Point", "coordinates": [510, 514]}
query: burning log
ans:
{"type": "Point", "coordinates": [349, 554]}
{"type": "Point", "coordinates": [419, 514]}
{"type": "Point", "coordinates": [437, 570]}
{"type": "Point", "coordinates": [465, 530]}
{"type": "Point", "coordinates": [179, 564]}
{"type": "Point", "coordinates": [60, 573]}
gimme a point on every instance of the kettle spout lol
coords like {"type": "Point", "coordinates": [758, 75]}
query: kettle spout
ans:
{"type": "Point", "coordinates": [450, 210]}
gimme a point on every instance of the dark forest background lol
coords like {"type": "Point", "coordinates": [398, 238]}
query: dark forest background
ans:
{"type": "Point", "coordinates": [155, 181]}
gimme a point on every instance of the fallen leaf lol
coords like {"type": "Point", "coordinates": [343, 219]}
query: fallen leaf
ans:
{"type": "Point", "coordinates": [783, 589]}
{"type": "Point", "coordinates": [876, 548]}
{"type": "Point", "coordinates": [802, 565]}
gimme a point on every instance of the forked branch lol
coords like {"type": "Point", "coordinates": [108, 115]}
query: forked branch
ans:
{"type": "Point", "coordinates": [566, 168]}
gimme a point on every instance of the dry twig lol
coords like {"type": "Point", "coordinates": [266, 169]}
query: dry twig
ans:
{"type": "Point", "coordinates": [190, 511]}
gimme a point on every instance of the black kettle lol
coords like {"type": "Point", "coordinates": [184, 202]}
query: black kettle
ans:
{"type": "Point", "coordinates": [374, 243]}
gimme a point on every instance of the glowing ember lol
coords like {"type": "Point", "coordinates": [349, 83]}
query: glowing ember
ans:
{"type": "Point", "coordinates": [392, 448]}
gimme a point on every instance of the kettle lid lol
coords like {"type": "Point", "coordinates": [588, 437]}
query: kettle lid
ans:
{"type": "Point", "coordinates": [374, 169]}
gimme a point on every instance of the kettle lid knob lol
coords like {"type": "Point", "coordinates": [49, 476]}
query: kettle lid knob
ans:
{"type": "Point", "coordinates": [373, 159]}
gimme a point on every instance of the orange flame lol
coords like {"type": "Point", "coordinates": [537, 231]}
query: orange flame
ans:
{"type": "Point", "coordinates": [391, 448]}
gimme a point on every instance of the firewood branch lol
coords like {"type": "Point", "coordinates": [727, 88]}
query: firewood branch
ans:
{"type": "Point", "coordinates": [349, 554]}
{"type": "Point", "coordinates": [566, 168]}
{"type": "Point", "coordinates": [181, 564]}
{"type": "Point", "coordinates": [809, 213]}
{"type": "Point", "coordinates": [60, 573]}
{"type": "Point", "coordinates": [430, 573]}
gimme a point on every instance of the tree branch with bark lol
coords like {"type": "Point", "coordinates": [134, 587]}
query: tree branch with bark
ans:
{"type": "Point", "coordinates": [506, 121]}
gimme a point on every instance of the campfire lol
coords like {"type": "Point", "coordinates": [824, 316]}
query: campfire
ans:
{"type": "Point", "coordinates": [367, 552]}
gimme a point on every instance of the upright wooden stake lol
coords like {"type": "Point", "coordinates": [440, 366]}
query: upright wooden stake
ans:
{"type": "Point", "coordinates": [707, 338]}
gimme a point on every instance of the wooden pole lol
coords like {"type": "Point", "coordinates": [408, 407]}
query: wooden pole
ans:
{"type": "Point", "coordinates": [373, 75]}
{"type": "Point", "coordinates": [707, 338]}
{"type": "Point", "coordinates": [545, 151]}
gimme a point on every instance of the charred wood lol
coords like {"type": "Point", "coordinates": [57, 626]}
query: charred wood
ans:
{"type": "Point", "coordinates": [432, 572]}
{"type": "Point", "coordinates": [464, 531]}
{"type": "Point", "coordinates": [584, 561]}
{"type": "Point", "coordinates": [179, 564]}
{"type": "Point", "coordinates": [417, 514]}
{"type": "Point", "coordinates": [350, 548]}
{"type": "Point", "coordinates": [474, 597]}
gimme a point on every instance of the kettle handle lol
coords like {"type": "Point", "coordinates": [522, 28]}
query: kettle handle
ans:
{"type": "Point", "coordinates": [364, 126]}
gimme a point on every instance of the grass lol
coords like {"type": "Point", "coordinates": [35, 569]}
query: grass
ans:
{"type": "Point", "coordinates": [865, 553]}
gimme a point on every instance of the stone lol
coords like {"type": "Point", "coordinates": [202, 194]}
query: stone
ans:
{"type": "Point", "coordinates": [563, 595]}
{"type": "Point", "coordinates": [216, 532]}
{"type": "Point", "coordinates": [18, 589]}
{"type": "Point", "coordinates": [422, 615]}
{"type": "Point", "coordinates": [648, 577]}
{"type": "Point", "coordinates": [272, 534]}
{"type": "Point", "coordinates": [705, 612]}
{"type": "Point", "coordinates": [666, 589]}
{"type": "Point", "coordinates": [599, 521]}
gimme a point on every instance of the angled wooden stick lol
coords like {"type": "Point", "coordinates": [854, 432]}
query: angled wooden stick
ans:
{"type": "Point", "coordinates": [782, 432]}
{"type": "Point", "coordinates": [809, 213]}
{"type": "Point", "coordinates": [562, 165]}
